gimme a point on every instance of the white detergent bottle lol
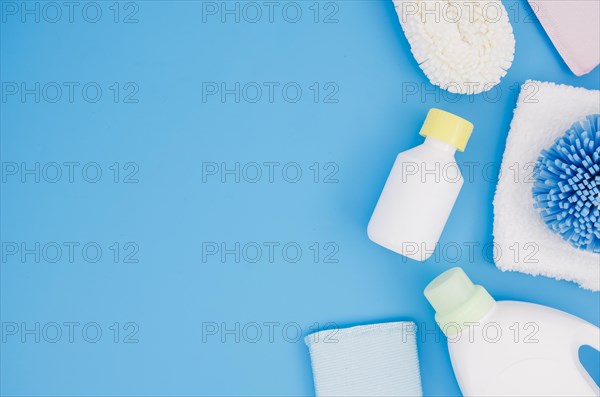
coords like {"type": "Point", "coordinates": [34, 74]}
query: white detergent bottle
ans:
{"type": "Point", "coordinates": [509, 348]}
{"type": "Point", "coordinates": [421, 189]}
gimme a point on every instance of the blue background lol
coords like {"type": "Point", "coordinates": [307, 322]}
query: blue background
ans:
{"type": "Point", "coordinates": [172, 294]}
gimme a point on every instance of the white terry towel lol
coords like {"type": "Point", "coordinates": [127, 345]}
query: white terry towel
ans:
{"type": "Point", "coordinates": [522, 240]}
{"type": "Point", "coordinates": [369, 360]}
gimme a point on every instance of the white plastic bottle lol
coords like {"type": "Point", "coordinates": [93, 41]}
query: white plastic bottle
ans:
{"type": "Point", "coordinates": [421, 189]}
{"type": "Point", "coordinates": [509, 348]}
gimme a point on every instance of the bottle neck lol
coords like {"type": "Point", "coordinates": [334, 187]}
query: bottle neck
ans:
{"type": "Point", "coordinates": [440, 145]}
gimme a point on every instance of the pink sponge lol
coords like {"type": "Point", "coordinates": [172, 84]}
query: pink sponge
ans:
{"type": "Point", "coordinates": [573, 27]}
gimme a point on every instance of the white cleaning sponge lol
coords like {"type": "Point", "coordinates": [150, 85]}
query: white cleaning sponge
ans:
{"type": "Point", "coordinates": [522, 240]}
{"type": "Point", "coordinates": [463, 46]}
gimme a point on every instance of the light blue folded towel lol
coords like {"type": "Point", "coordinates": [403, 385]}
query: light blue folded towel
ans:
{"type": "Point", "coordinates": [369, 360]}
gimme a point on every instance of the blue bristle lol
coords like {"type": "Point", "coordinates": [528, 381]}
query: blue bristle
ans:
{"type": "Point", "coordinates": [566, 190]}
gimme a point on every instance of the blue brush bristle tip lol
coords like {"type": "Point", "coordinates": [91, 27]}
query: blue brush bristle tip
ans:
{"type": "Point", "coordinates": [566, 189]}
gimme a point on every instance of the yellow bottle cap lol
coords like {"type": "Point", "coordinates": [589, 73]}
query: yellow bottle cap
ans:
{"type": "Point", "coordinates": [447, 127]}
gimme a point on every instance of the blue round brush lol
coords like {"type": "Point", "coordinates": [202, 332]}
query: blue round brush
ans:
{"type": "Point", "coordinates": [566, 189]}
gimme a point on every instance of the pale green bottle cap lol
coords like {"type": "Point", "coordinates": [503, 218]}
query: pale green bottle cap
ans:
{"type": "Point", "coordinates": [457, 302]}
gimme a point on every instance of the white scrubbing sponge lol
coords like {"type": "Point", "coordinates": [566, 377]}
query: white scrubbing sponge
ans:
{"type": "Point", "coordinates": [522, 240]}
{"type": "Point", "coordinates": [463, 46]}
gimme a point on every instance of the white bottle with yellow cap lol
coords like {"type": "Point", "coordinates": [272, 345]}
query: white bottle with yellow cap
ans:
{"type": "Point", "coordinates": [421, 189]}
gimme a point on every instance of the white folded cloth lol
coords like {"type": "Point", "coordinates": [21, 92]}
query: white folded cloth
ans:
{"type": "Point", "coordinates": [522, 240]}
{"type": "Point", "coordinates": [369, 360]}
